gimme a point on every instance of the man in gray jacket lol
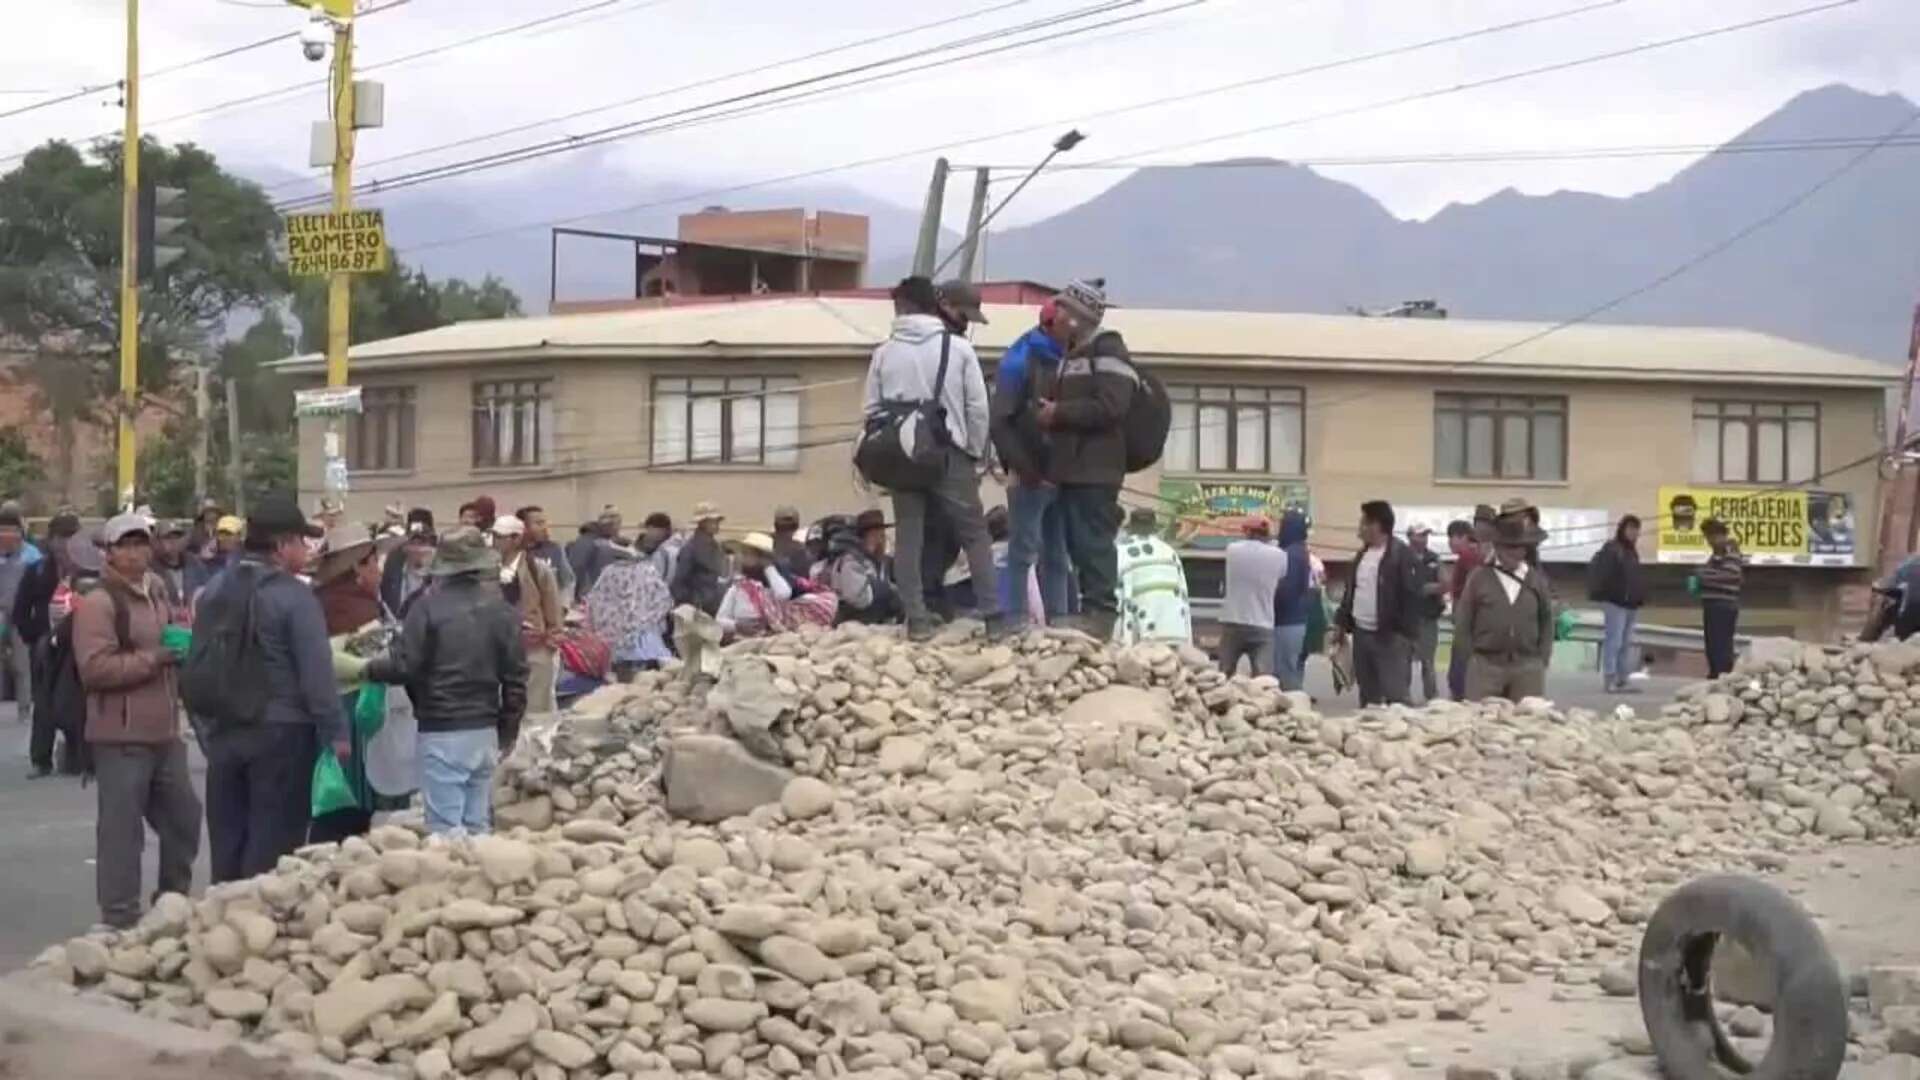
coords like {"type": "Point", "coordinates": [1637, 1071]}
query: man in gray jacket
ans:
{"type": "Point", "coordinates": [259, 776]}
{"type": "Point", "coordinates": [904, 369]}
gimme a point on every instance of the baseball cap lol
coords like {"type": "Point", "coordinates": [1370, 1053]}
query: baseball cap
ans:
{"type": "Point", "coordinates": [230, 525]}
{"type": "Point", "coordinates": [508, 525]}
{"type": "Point", "coordinates": [171, 527]}
{"type": "Point", "coordinates": [278, 515]}
{"type": "Point", "coordinates": [121, 526]}
{"type": "Point", "coordinates": [963, 297]}
{"type": "Point", "coordinates": [1417, 529]}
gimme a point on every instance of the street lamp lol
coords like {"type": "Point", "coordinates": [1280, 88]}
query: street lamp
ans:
{"type": "Point", "coordinates": [968, 243]}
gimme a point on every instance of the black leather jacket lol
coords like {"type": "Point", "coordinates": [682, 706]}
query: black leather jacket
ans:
{"type": "Point", "coordinates": [459, 656]}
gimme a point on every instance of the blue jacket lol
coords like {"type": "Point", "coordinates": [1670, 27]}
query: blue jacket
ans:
{"type": "Point", "coordinates": [295, 652]}
{"type": "Point", "coordinates": [1028, 370]}
{"type": "Point", "coordinates": [1290, 599]}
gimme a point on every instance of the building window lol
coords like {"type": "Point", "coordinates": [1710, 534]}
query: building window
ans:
{"type": "Point", "coordinates": [512, 423]}
{"type": "Point", "coordinates": [380, 439]}
{"type": "Point", "coordinates": [1756, 442]}
{"type": "Point", "coordinates": [1236, 429]}
{"type": "Point", "coordinates": [751, 421]}
{"type": "Point", "coordinates": [1499, 437]}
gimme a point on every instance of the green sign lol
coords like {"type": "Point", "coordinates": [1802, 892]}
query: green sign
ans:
{"type": "Point", "coordinates": [1207, 515]}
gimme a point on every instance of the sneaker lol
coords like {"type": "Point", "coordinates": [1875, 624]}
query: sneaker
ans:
{"type": "Point", "coordinates": [921, 631]}
{"type": "Point", "coordinates": [40, 772]}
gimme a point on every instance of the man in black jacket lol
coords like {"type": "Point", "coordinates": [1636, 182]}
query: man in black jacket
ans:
{"type": "Point", "coordinates": [31, 624]}
{"type": "Point", "coordinates": [1088, 462]}
{"type": "Point", "coordinates": [1381, 610]}
{"type": "Point", "coordinates": [461, 659]}
{"type": "Point", "coordinates": [1616, 582]}
{"type": "Point", "coordinates": [700, 569]}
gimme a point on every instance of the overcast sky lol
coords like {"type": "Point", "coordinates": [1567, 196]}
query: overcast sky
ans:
{"type": "Point", "coordinates": [1701, 92]}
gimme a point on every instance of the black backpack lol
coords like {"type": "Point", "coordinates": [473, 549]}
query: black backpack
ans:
{"type": "Point", "coordinates": [224, 679]}
{"type": "Point", "coordinates": [903, 446]}
{"type": "Point", "coordinates": [1149, 411]}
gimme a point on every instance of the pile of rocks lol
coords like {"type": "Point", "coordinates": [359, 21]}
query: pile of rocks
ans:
{"type": "Point", "coordinates": [1821, 739]}
{"type": "Point", "coordinates": [1049, 857]}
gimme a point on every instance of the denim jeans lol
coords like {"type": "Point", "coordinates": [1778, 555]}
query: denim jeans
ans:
{"type": "Point", "coordinates": [1616, 645]}
{"type": "Point", "coordinates": [1289, 655]}
{"type": "Point", "coordinates": [1256, 643]}
{"type": "Point", "coordinates": [1037, 536]}
{"type": "Point", "coordinates": [456, 780]}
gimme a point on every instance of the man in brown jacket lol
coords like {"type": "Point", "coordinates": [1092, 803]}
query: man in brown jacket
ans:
{"type": "Point", "coordinates": [531, 588]}
{"type": "Point", "coordinates": [133, 726]}
{"type": "Point", "coordinates": [1504, 616]}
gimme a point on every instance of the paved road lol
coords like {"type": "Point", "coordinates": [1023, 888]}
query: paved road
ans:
{"type": "Point", "coordinates": [46, 826]}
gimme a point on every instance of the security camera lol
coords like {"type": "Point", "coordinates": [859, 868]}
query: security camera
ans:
{"type": "Point", "coordinates": [315, 37]}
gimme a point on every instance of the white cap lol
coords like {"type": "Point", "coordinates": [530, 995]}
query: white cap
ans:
{"type": "Point", "coordinates": [508, 525]}
{"type": "Point", "coordinates": [123, 525]}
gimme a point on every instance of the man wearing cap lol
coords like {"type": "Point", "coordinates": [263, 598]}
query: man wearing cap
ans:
{"type": "Point", "coordinates": [200, 539]}
{"type": "Point", "coordinates": [596, 548]}
{"type": "Point", "coordinates": [529, 588]}
{"type": "Point", "coordinates": [1433, 604]}
{"type": "Point", "coordinates": [906, 369]}
{"type": "Point", "coordinates": [700, 568]}
{"type": "Point", "coordinates": [1087, 461]}
{"type": "Point", "coordinates": [403, 573]}
{"type": "Point", "coordinates": [133, 726]}
{"type": "Point", "coordinates": [259, 775]}
{"type": "Point", "coordinates": [1504, 617]}
{"type": "Point", "coordinates": [461, 659]}
{"type": "Point", "coordinates": [170, 561]}
{"type": "Point", "coordinates": [1254, 570]}
{"type": "Point", "coordinates": [1028, 374]}
{"type": "Point", "coordinates": [1153, 585]}
{"type": "Point", "coordinates": [788, 549]}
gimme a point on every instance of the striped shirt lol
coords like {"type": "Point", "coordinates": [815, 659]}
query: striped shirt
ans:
{"type": "Point", "coordinates": [1722, 575]}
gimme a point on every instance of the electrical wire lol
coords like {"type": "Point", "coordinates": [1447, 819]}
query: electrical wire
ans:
{"type": "Point", "coordinates": [748, 103]}
{"type": "Point", "coordinates": [1735, 149]}
{"type": "Point", "coordinates": [667, 91]}
{"type": "Point", "coordinates": [282, 92]}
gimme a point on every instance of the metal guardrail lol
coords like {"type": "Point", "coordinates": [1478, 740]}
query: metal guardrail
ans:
{"type": "Point", "coordinates": [1589, 627]}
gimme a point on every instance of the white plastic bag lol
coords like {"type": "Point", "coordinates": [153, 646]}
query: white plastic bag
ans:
{"type": "Point", "coordinates": [393, 767]}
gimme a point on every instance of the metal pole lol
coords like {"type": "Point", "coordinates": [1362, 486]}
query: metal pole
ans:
{"type": "Point", "coordinates": [339, 293]}
{"type": "Point", "coordinates": [928, 247]}
{"type": "Point", "coordinates": [203, 415]}
{"type": "Point", "coordinates": [1904, 433]}
{"type": "Point", "coordinates": [973, 232]}
{"type": "Point", "coordinates": [236, 471]}
{"type": "Point", "coordinates": [976, 226]}
{"type": "Point", "coordinates": [130, 261]}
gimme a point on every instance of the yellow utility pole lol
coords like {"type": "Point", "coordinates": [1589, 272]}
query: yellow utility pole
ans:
{"type": "Point", "coordinates": [338, 283]}
{"type": "Point", "coordinates": [130, 260]}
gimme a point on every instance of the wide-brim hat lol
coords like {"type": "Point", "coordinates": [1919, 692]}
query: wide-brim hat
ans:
{"type": "Point", "coordinates": [462, 551]}
{"type": "Point", "coordinates": [706, 511]}
{"type": "Point", "coordinates": [343, 551]}
{"type": "Point", "coordinates": [1514, 530]}
{"type": "Point", "coordinates": [755, 542]}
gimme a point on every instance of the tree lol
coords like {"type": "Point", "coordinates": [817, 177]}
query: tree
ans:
{"type": "Point", "coordinates": [21, 471]}
{"type": "Point", "coordinates": [399, 301]}
{"type": "Point", "coordinates": [60, 232]}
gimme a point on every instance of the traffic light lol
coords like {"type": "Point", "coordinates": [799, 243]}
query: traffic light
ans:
{"type": "Point", "coordinates": [162, 214]}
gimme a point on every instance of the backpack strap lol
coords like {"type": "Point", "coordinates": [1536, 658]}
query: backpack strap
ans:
{"type": "Point", "coordinates": [940, 376]}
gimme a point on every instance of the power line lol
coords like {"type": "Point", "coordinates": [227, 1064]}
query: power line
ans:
{"type": "Point", "coordinates": [281, 92]}
{"type": "Point", "coordinates": [1511, 76]}
{"type": "Point", "coordinates": [1046, 125]}
{"type": "Point", "coordinates": [71, 95]}
{"type": "Point", "coordinates": [748, 103]}
{"type": "Point", "coordinates": [695, 85]}
{"type": "Point", "coordinates": [1736, 149]}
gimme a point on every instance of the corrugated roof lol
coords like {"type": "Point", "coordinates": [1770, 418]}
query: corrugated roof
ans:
{"type": "Point", "coordinates": [823, 326]}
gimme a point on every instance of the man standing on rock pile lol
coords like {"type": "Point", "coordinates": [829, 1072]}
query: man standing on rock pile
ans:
{"type": "Point", "coordinates": [1720, 580]}
{"type": "Point", "coordinates": [1381, 609]}
{"type": "Point", "coordinates": [1088, 458]}
{"type": "Point", "coordinates": [461, 659]}
{"type": "Point", "coordinates": [1505, 617]}
{"type": "Point", "coordinates": [133, 724]}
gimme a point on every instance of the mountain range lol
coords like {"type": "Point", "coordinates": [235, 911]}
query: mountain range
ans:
{"type": "Point", "coordinates": [1840, 268]}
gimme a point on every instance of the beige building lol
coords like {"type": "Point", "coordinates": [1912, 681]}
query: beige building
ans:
{"type": "Point", "coordinates": [753, 403]}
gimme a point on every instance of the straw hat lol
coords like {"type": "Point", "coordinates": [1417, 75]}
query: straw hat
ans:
{"type": "Point", "coordinates": [756, 542]}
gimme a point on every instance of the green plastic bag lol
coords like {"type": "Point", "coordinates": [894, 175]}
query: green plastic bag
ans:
{"type": "Point", "coordinates": [1693, 585]}
{"type": "Point", "coordinates": [176, 639]}
{"type": "Point", "coordinates": [370, 709]}
{"type": "Point", "coordinates": [1563, 625]}
{"type": "Point", "coordinates": [331, 791]}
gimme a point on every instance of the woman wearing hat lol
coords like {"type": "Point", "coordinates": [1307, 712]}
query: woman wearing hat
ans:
{"type": "Point", "coordinates": [347, 583]}
{"type": "Point", "coordinates": [1504, 615]}
{"type": "Point", "coordinates": [763, 599]}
